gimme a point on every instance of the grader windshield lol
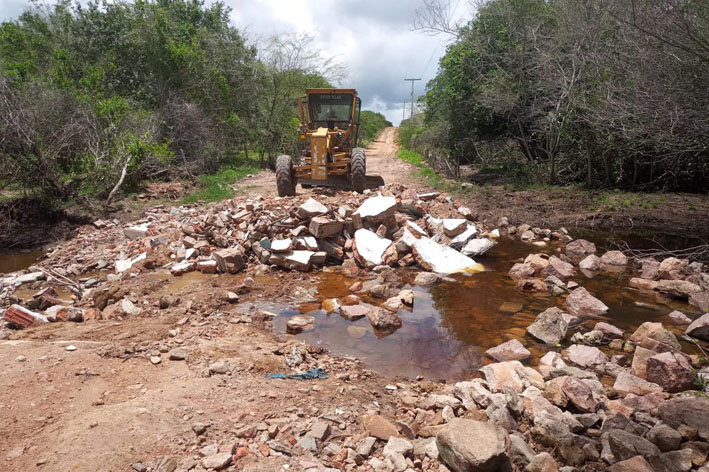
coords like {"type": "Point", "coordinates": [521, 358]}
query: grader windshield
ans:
{"type": "Point", "coordinates": [328, 109]}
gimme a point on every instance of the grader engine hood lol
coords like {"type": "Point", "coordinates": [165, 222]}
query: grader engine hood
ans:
{"type": "Point", "coordinates": [319, 146]}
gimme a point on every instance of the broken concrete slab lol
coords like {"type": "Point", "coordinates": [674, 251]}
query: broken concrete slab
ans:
{"type": "Point", "coordinates": [369, 247]}
{"type": "Point", "coordinates": [443, 259]}
{"type": "Point", "coordinates": [310, 209]}
{"type": "Point", "coordinates": [478, 247]}
{"type": "Point", "coordinates": [377, 209]}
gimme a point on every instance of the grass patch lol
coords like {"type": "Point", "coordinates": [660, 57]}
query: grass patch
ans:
{"type": "Point", "coordinates": [618, 200]}
{"type": "Point", "coordinates": [412, 157]}
{"type": "Point", "coordinates": [217, 187]}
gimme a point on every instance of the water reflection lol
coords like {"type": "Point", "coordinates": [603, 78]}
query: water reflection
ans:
{"type": "Point", "coordinates": [452, 325]}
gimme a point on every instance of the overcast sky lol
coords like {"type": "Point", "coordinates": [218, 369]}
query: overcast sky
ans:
{"type": "Point", "coordinates": [372, 38]}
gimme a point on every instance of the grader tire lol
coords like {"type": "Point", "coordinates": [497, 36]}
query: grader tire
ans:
{"type": "Point", "coordinates": [358, 166]}
{"type": "Point", "coordinates": [284, 176]}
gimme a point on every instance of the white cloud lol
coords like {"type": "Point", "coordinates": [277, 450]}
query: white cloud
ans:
{"type": "Point", "coordinates": [372, 38]}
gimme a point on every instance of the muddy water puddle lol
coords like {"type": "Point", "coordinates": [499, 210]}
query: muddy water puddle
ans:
{"type": "Point", "coordinates": [451, 325]}
{"type": "Point", "coordinates": [13, 260]}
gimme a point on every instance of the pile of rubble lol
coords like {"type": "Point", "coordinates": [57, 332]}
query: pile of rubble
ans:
{"type": "Point", "coordinates": [394, 228]}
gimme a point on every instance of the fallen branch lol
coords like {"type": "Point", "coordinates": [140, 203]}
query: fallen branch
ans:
{"type": "Point", "coordinates": [697, 253]}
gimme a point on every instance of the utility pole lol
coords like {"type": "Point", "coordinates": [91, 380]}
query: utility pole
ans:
{"type": "Point", "coordinates": [412, 97]}
{"type": "Point", "coordinates": [403, 111]}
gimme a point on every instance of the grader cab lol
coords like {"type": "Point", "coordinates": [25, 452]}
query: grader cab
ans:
{"type": "Point", "coordinates": [329, 127]}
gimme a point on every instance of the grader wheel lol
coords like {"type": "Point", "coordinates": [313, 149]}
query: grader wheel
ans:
{"type": "Point", "coordinates": [285, 180]}
{"type": "Point", "coordinates": [358, 167]}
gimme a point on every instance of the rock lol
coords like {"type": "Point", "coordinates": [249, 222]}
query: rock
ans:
{"type": "Point", "coordinates": [532, 285]}
{"type": "Point", "coordinates": [691, 410]}
{"type": "Point", "coordinates": [218, 368]}
{"type": "Point", "coordinates": [628, 383]}
{"type": "Point", "coordinates": [639, 365]}
{"type": "Point", "coordinates": [672, 371]}
{"type": "Point", "coordinates": [582, 303]}
{"type": "Point", "coordinates": [699, 328]}
{"type": "Point", "coordinates": [549, 326]}
{"type": "Point", "coordinates": [425, 447]}
{"type": "Point", "coordinates": [586, 356]}
{"type": "Point", "coordinates": [672, 268]}
{"type": "Point", "coordinates": [310, 209]}
{"type": "Point", "coordinates": [542, 462]}
{"type": "Point", "coordinates": [383, 320]}
{"type": "Point", "coordinates": [322, 227]}
{"type": "Point", "coordinates": [437, 401]}
{"type": "Point", "coordinates": [366, 446]}
{"type": "Point", "coordinates": [655, 337]}
{"type": "Point", "coordinates": [578, 392]}
{"type": "Point", "coordinates": [579, 249]}
{"type": "Point", "coordinates": [677, 317]}
{"type": "Point", "coordinates": [330, 305]}
{"type": "Point", "coordinates": [128, 308]}
{"type": "Point", "coordinates": [320, 430]}
{"type": "Point", "coordinates": [281, 245]}
{"type": "Point", "coordinates": [552, 359]}
{"type": "Point", "coordinates": [558, 268]}
{"type": "Point", "coordinates": [512, 350]}
{"type": "Point", "coordinates": [217, 461]}
{"type": "Point", "coordinates": [681, 289]}
{"type": "Point", "coordinates": [426, 279]}
{"type": "Point", "coordinates": [308, 443]}
{"type": "Point", "coordinates": [478, 247]}
{"type": "Point", "coordinates": [609, 331]}
{"type": "Point", "coordinates": [178, 354]}
{"type": "Point", "coordinates": [229, 261]}
{"type": "Point", "coordinates": [377, 209]}
{"type": "Point", "coordinates": [355, 312]}
{"type": "Point", "coordinates": [511, 374]}
{"type": "Point", "coordinates": [521, 271]}
{"type": "Point", "coordinates": [520, 452]}
{"type": "Point", "coordinates": [614, 258]}
{"type": "Point", "coordinates": [378, 427]}
{"type": "Point", "coordinates": [642, 284]}
{"type": "Point", "coordinates": [299, 323]}
{"type": "Point", "coordinates": [443, 259]}
{"type": "Point", "coordinates": [370, 247]}
{"type": "Point", "coordinates": [136, 232]}
{"type": "Point", "coordinates": [650, 269]}
{"type": "Point", "coordinates": [664, 437]}
{"type": "Point", "coordinates": [591, 263]}
{"type": "Point", "coordinates": [452, 227]}
{"type": "Point", "coordinates": [674, 461]}
{"type": "Point", "coordinates": [472, 393]}
{"type": "Point", "coordinates": [624, 445]}
{"type": "Point", "coordinates": [700, 300]}
{"type": "Point", "coordinates": [472, 446]}
{"type": "Point", "coordinates": [397, 445]}
{"type": "Point", "coordinates": [634, 464]}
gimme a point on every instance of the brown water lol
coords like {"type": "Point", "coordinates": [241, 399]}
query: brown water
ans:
{"type": "Point", "coordinates": [12, 261]}
{"type": "Point", "coordinates": [453, 324]}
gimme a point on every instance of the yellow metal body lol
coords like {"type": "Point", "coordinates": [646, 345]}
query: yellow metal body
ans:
{"type": "Point", "coordinates": [327, 149]}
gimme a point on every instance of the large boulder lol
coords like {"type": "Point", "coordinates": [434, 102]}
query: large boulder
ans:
{"type": "Point", "coordinates": [473, 446]}
{"type": "Point", "coordinates": [582, 303]}
{"type": "Point", "coordinates": [673, 268]}
{"type": "Point", "coordinates": [700, 300]}
{"type": "Point", "coordinates": [689, 410]}
{"type": "Point", "coordinates": [549, 326]}
{"type": "Point", "coordinates": [622, 445]}
{"type": "Point", "coordinates": [699, 328]}
{"type": "Point", "coordinates": [655, 337]}
{"type": "Point", "coordinates": [578, 392]}
{"type": "Point", "coordinates": [512, 350]}
{"type": "Point", "coordinates": [680, 289]}
{"type": "Point", "coordinates": [671, 370]}
{"type": "Point", "coordinates": [579, 249]}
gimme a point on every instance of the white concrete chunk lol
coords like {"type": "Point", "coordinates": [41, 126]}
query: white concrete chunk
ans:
{"type": "Point", "coordinates": [477, 247]}
{"type": "Point", "coordinates": [370, 246]}
{"type": "Point", "coordinates": [444, 259]}
{"type": "Point", "coordinates": [460, 240]}
{"type": "Point", "coordinates": [376, 209]}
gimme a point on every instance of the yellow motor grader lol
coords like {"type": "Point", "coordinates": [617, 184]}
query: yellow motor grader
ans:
{"type": "Point", "coordinates": [329, 127]}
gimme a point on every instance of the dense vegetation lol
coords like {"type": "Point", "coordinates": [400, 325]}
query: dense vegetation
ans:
{"type": "Point", "coordinates": [101, 93]}
{"type": "Point", "coordinates": [607, 93]}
